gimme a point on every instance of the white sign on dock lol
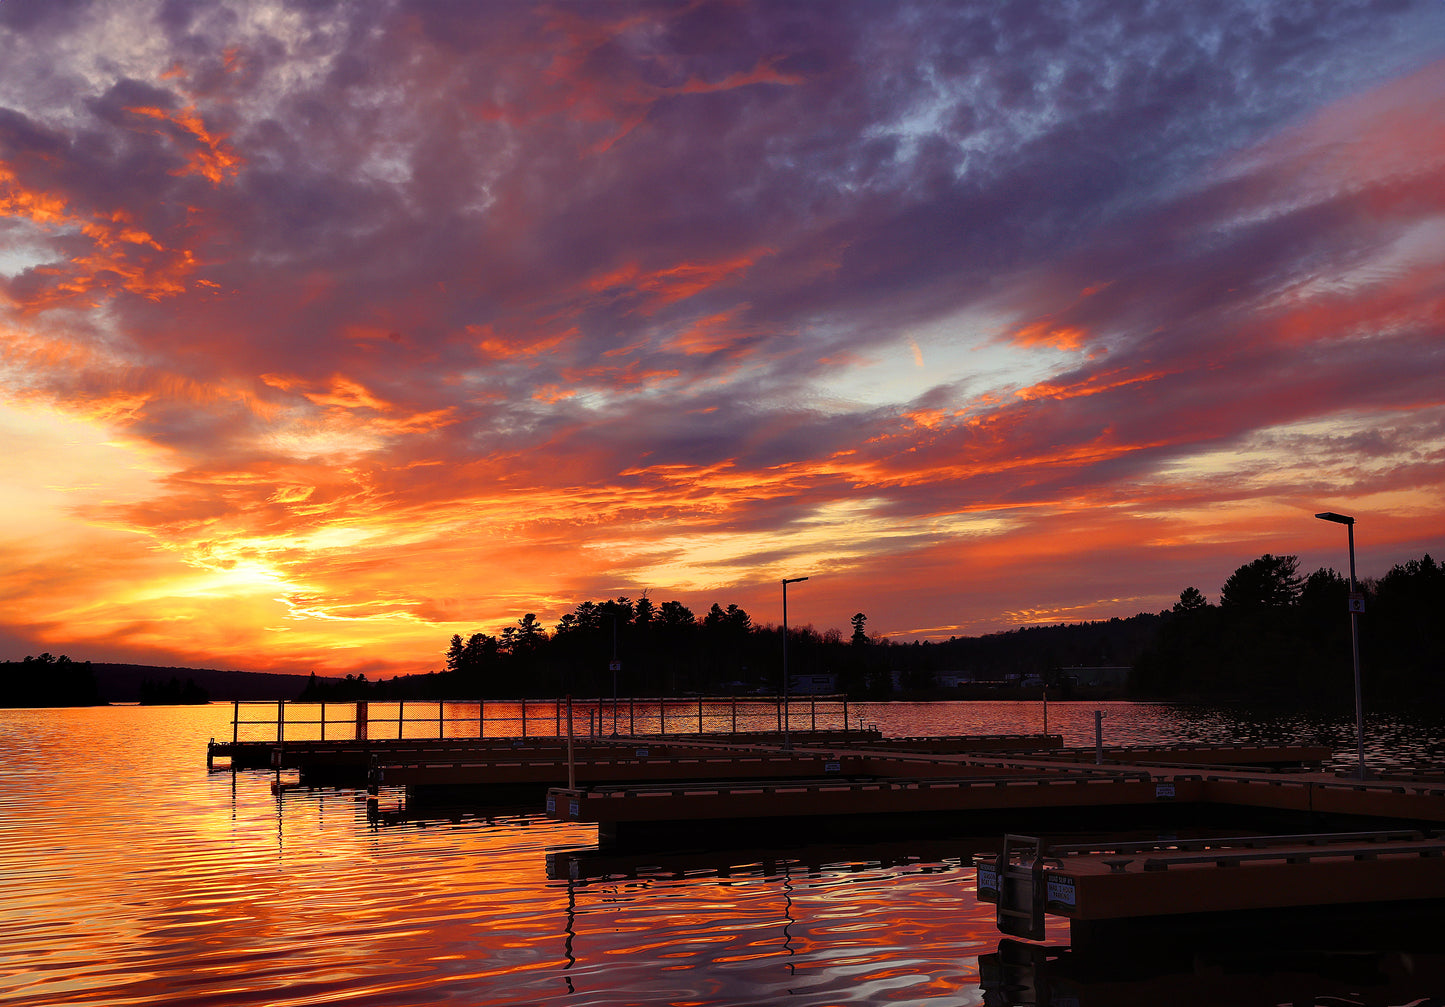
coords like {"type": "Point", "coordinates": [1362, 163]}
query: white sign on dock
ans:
{"type": "Point", "coordinates": [1061, 890]}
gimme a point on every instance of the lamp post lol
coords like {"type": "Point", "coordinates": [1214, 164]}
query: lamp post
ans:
{"type": "Point", "coordinates": [1357, 605]}
{"type": "Point", "coordinates": [787, 734]}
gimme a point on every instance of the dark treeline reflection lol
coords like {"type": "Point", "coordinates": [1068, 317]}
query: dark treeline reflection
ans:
{"type": "Point", "coordinates": [1274, 637]}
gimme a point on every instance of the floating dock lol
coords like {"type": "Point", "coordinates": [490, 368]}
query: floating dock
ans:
{"type": "Point", "coordinates": [1096, 887]}
{"type": "Point", "coordinates": [715, 789]}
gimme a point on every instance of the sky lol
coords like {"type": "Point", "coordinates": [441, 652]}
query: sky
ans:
{"type": "Point", "coordinates": [328, 330]}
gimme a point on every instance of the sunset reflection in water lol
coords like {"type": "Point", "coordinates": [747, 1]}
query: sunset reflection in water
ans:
{"type": "Point", "coordinates": [132, 876]}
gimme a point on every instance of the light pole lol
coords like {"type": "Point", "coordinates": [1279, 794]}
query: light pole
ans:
{"type": "Point", "coordinates": [787, 735]}
{"type": "Point", "coordinates": [1357, 605]}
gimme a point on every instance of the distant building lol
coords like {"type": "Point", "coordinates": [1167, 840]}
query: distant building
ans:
{"type": "Point", "coordinates": [816, 685]}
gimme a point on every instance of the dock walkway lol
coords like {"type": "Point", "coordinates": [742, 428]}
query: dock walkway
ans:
{"type": "Point", "coordinates": [1100, 883]}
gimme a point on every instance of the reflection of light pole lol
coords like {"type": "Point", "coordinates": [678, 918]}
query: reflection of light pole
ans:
{"type": "Point", "coordinates": [787, 736]}
{"type": "Point", "coordinates": [1357, 605]}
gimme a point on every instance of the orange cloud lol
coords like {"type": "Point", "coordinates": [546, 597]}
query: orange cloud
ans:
{"type": "Point", "coordinates": [661, 287]}
{"type": "Point", "coordinates": [1096, 383]}
{"type": "Point", "coordinates": [211, 156]}
{"type": "Point", "coordinates": [712, 334]}
{"type": "Point", "coordinates": [1045, 333]}
{"type": "Point", "coordinates": [125, 257]}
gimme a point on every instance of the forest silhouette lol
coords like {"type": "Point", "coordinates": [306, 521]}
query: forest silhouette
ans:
{"type": "Point", "coordinates": [1275, 637]}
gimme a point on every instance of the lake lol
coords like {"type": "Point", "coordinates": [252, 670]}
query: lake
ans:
{"type": "Point", "coordinates": [134, 876]}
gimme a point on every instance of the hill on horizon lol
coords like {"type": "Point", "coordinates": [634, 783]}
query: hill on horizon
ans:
{"type": "Point", "coordinates": [120, 683]}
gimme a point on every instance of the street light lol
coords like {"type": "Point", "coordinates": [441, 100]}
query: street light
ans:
{"type": "Point", "coordinates": [1357, 605]}
{"type": "Point", "coordinates": [787, 735]}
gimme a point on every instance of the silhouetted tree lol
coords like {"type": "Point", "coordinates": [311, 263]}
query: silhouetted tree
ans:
{"type": "Point", "coordinates": [860, 634]}
{"type": "Point", "coordinates": [1270, 582]}
{"type": "Point", "coordinates": [1191, 599]}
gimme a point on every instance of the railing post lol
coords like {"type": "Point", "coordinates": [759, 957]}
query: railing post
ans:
{"type": "Point", "coordinates": [813, 709]}
{"type": "Point", "coordinates": [845, 713]}
{"type": "Point", "coordinates": [735, 715]}
{"type": "Point", "coordinates": [441, 725]}
{"type": "Point", "coordinates": [699, 715]}
{"type": "Point", "coordinates": [481, 718]}
{"type": "Point", "coordinates": [524, 716]}
{"type": "Point", "coordinates": [400, 717]}
{"type": "Point", "coordinates": [323, 720]}
{"type": "Point", "coordinates": [661, 715]}
{"type": "Point", "coordinates": [557, 714]}
{"type": "Point", "coordinates": [235, 723]}
{"type": "Point", "coordinates": [280, 721]}
{"type": "Point", "coordinates": [571, 763]}
{"type": "Point", "coordinates": [632, 715]}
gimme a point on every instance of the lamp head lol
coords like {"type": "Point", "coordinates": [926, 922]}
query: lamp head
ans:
{"type": "Point", "coordinates": [1330, 515]}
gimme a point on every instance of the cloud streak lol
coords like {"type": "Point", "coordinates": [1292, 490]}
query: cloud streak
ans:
{"type": "Point", "coordinates": [412, 317]}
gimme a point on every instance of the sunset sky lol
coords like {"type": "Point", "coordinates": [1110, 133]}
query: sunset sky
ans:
{"type": "Point", "coordinates": [328, 330]}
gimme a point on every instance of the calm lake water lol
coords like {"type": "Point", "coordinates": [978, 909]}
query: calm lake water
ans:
{"type": "Point", "coordinates": [134, 876]}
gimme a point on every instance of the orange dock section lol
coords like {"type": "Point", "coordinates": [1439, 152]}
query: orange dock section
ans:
{"type": "Point", "coordinates": [1100, 882]}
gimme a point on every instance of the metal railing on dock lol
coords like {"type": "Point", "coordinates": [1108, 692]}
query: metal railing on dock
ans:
{"type": "Point", "coordinates": [426, 720]}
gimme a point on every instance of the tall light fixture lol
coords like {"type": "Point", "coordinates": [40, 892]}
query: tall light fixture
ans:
{"type": "Point", "coordinates": [787, 734]}
{"type": "Point", "coordinates": [1357, 605]}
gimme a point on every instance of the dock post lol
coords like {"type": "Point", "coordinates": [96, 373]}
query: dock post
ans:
{"type": "Point", "coordinates": [1098, 737]}
{"type": "Point", "coordinates": [361, 720]}
{"type": "Point", "coordinates": [571, 763]}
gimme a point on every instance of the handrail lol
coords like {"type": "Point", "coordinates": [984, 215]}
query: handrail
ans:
{"type": "Point", "coordinates": [369, 720]}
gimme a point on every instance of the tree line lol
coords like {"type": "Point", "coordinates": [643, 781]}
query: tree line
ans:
{"type": "Point", "coordinates": [657, 649]}
{"type": "Point", "coordinates": [1281, 637]}
{"type": "Point", "coordinates": [48, 680]}
{"type": "Point", "coordinates": [1275, 636]}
